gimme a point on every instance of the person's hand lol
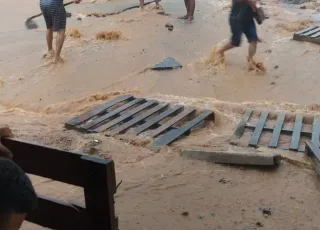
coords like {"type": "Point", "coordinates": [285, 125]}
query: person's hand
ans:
{"type": "Point", "coordinates": [5, 131]}
{"type": "Point", "coordinates": [77, 1]}
{"type": "Point", "coordinates": [253, 4]}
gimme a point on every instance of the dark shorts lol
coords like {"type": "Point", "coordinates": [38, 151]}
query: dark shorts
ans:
{"type": "Point", "coordinates": [238, 28]}
{"type": "Point", "coordinates": [55, 16]}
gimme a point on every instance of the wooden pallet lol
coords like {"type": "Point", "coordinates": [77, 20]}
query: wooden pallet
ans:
{"type": "Point", "coordinates": [278, 129]}
{"type": "Point", "coordinates": [133, 116]}
{"type": "Point", "coordinates": [311, 34]}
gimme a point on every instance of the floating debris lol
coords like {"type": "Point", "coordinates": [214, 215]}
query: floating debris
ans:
{"type": "Point", "coordinates": [109, 35]}
{"type": "Point", "coordinates": [74, 32]}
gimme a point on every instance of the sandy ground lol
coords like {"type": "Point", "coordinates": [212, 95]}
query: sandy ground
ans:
{"type": "Point", "coordinates": [157, 188]}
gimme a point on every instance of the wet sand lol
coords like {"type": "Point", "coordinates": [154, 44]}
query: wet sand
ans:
{"type": "Point", "coordinates": [36, 100]}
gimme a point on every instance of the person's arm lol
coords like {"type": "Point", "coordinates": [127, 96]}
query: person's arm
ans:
{"type": "Point", "coordinates": [253, 4]}
{"type": "Point", "coordinates": [5, 131]}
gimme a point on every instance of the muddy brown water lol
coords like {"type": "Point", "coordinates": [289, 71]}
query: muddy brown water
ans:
{"type": "Point", "coordinates": [36, 100]}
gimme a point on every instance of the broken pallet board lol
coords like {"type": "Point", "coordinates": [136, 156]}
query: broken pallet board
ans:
{"type": "Point", "coordinates": [278, 129]}
{"type": "Point", "coordinates": [311, 34]}
{"type": "Point", "coordinates": [133, 116]}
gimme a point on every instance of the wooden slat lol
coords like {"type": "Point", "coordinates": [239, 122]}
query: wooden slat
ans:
{"type": "Point", "coordinates": [316, 35]}
{"type": "Point", "coordinates": [304, 132]}
{"type": "Point", "coordinates": [311, 32]}
{"type": "Point", "coordinates": [57, 214]}
{"type": "Point", "coordinates": [156, 119]}
{"type": "Point", "coordinates": [172, 135]}
{"type": "Point", "coordinates": [277, 130]}
{"type": "Point", "coordinates": [313, 153]}
{"type": "Point", "coordinates": [96, 111]}
{"type": "Point", "coordinates": [306, 30]}
{"type": "Point", "coordinates": [258, 130]}
{"type": "Point", "coordinates": [135, 120]}
{"type": "Point", "coordinates": [116, 121]}
{"type": "Point", "coordinates": [172, 121]}
{"type": "Point", "coordinates": [113, 113]}
{"type": "Point", "coordinates": [43, 161]}
{"type": "Point", "coordinates": [242, 124]}
{"type": "Point", "coordinates": [99, 193]}
{"type": "Point", "coordinates": [316, 131]}
{"type": "Point", "coordinates": [295, 139]}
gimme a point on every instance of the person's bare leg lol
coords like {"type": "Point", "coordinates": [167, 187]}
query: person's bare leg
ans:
{"type": "Point", "coordinates": [141, 5]}
{"type": "Point", "coordinates": [225, 48]}
{"type": "Point", "coordinates": [192, 6]}
{"type": "Point", "coordinates": [49, 36]}
{"type": "Point", "coordinates": [186, 2]}
{"type": "Point", "coordinates": [252, 50]}
{"type": "Point", "coordinates": [59, 44]}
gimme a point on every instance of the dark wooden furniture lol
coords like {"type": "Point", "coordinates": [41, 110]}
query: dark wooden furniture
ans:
{"type": "Point", "coordinates": [95, 175]}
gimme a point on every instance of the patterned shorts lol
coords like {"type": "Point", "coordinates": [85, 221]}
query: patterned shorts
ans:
{"type": "Point", "coordinates": [54, 14]}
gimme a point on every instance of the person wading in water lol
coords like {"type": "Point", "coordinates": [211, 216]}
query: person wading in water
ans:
{"type": "Point", "coordinates": [241, 21]}
{"type": "Point", "coordinates": [55, 17]}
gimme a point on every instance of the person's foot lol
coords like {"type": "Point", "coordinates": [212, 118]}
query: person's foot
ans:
{"type": "Point", "coordinates": [258, 67]}
{"type": "Point", "coordinates": [58, 60]}
{"type": "Point", "coordinates": [184, 17]}
{"type": "Point", "coordinates": [142, 8]}
{"type": "Point", "coordinates": [190, 19]}
{"type": "Point", "coordinates": [48, 55]}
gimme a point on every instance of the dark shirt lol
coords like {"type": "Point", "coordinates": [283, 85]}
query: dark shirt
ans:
{"type": "Point", "coordinates": [241, 11]}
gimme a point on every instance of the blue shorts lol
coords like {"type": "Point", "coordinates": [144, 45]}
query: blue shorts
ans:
{"type": "Point", "coordinates": [54, 15]}
{"type": "Point", "coordinates": [239, 27]}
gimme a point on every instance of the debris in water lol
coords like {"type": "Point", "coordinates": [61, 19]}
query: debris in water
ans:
{"type": "Point", "coordinates": [259, 224]}
{"type": "Point", "coordinates": [1, 82]}
{"type": "Point", "coordinates": [266, 211]}
{"type": "Point", "coordinates": [95, 14]}
{"type": "Point", "coordinates": [276, 67]}
{"type": "Point", "coordinates": [169, 26]}
{"type": "Point", "coordinates": [109, 35]}
{"type": "Point", "coordinates": [185, 213]}
{"type": "Point", "coordinates": [168, 63]}
{"type": "Point", "coordinates": [273, 83]}
{"type": "Point", "coordinates": [223, 181]}
{"type": "Point", "coordinates": [74, 32]}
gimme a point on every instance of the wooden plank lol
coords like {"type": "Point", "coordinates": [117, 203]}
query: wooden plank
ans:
{"type": "Point", "coordinates": [316, 35]}
{"type": "Point", "coordinates": [125, 116]}
{"type": "Point", "coordinates": [156, 119]}
{"type": "Point", "coordinates": [43, 161]}
{"type": "Point", "coordinates": [277, 130]}
{"type": "Point", "coordinates": [304, 132]}
{"type": "Point", "coordinates": [316, 131]}
{"type": "Point", "coordinates": [295, 139]}
{"type": "Point", "coordinates": [172, 121]}
{"type": "Point", "coordinates": [99, 191]}
{"type": "Point", "coordinates": [307, 34]}
{"type": "Point", "coordinates": [57, 214]}
{"type": "Point", "coordinates": [137, 119]}
{"type": "Point", "coordinates": [258, 130]}
{"type": "Point", "coordinates": [113, 113]}
{"type": "Point", "coordinates": [306, 30]}
{"type": "Point", "coordinates": [172, 135]}
{"type": "Point", "coordinates": [242, 124]}
{"type": "Point", "coordinates": [313, 153]}
{"type": "Point", "coordinates": [96, 111]}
